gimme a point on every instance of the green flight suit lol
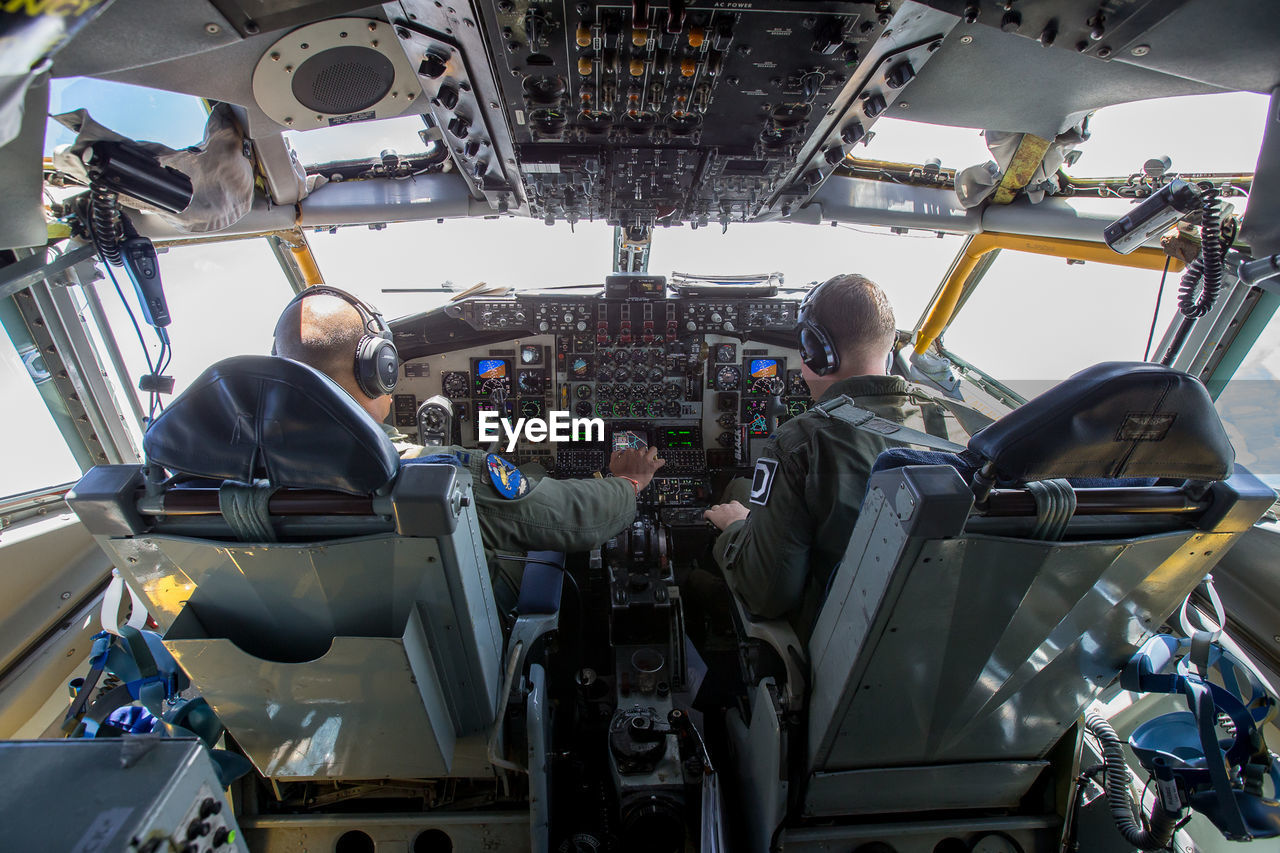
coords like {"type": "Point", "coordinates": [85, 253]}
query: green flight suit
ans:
{"type": "Point", "coordinates": [551, 515]}
{"type": "Point", "coordinates": [804, 501]}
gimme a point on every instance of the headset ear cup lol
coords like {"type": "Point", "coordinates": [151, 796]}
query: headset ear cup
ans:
{"type": "Point", "coordinates": [377, 366]}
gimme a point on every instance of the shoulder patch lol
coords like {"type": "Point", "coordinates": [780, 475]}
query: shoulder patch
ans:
{"type": "Point", "coordinates": [762, 482]}
{"type": "Point", "coordinates": [506, 477]}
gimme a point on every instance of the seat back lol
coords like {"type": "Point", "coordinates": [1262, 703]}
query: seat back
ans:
{"type": "Point", "coordinates": [368, 654]}
{"type": "Point", "coordinates": [953, 652]}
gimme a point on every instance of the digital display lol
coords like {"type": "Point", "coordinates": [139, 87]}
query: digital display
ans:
{"type": "Point", "coordinates": [678, 437]}
{"type": "Point", "coordinates": [755, 419]}
{"type": "Point", "coordinates": [762, 368]}
{"type": "Point", "coordinates": [491, 376]}
{"type": "Point", "coordinates": [530, 354]}
{"type": "Point", "coordinates": [627, 439]}
{"type": "Point", "coordinates": [491, 368]}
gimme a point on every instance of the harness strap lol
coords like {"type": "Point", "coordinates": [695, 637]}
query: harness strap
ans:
{"type": "Point", "coordinates": [843, 408]}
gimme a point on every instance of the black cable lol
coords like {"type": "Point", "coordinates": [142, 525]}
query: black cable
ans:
{"type": "Point", "coordinates": [1205, 272]}
{"type": "Point", "coordinates": [1146, 355]}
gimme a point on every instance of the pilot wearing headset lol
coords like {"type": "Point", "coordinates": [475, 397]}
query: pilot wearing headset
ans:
{"type": "Point", "coordinates": [785, 543]}
{"type": "Point", "coordinates": [346, 339]}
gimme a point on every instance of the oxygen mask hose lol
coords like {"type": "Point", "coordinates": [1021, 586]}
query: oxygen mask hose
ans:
{"type": "Point", "coordinates": [1116, 781]}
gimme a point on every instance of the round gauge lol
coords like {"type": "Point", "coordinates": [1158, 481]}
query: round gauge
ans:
{"type": "Point", "coordinates": [495, 387]}
{"type": "Point", "coordinates": [530, 382]}
{"type": "Point", "coordinates": [725, 439]}
{"type": "Point", "coordinates": [726, 353]}
{"type": "Point", "coordinates": [639, 122]}
{"type": "Point", "coordinates": [622, 375]}
{"type": "Point", "coordinates": [671, 390]}
{"type": "Point", "coordinates": [655, 410]}
{"type": "Point", "coordinates": [582, 408]}
{"type": "Point", "coordinates": [530, 354]}
{"type": "Point", "coordinates": [455, 384]}
{"type": "Point", "coordinates": [672, 409]}
{"type": "Point", "coordinates": [995, 842]}
{"type": "Point", "coordinates": [655, 392]}
{"type": "Point", "coordinates": [727, 378]}
{"type": "Point", "coordinates": [797, 407]}
{"type": "Point", "coordinates": [604, 373]}
{"type": "Point", "coordinates": [580, 367]}
{"type": "Point", "coordinates": [639, 392]}
{"type": "Point", "coordinates": [769, 386]}
{"type": "Point", "coordinates": [604, 410]}
{"type": "Point", "coordinates": [655, 374]}
{"type": "Point", "coordinates": [582, 392]}
{"type": "Point", "coordinates": [790, 115]}
{"type": "Point", "coordinates": [618, 356]}
{"type": "Point", "coordinates": [796, 386]}
{"type": "Point", "coordinates": [622, 410]}
{"type": "Point", "coordinates": [727, 420]}
{"type": "Point", "coordinates": [640, 356]}
{"type": "Point", "coordinates": [604, 392]}
{"type": "Point", "coordinates": [595, 121]}
{"type": "Point", "coordinates": [531, 408]}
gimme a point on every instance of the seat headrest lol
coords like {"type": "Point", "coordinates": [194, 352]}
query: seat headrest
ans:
{"type": "Point", "coordinates": [1112, 420]}
{"type": "Point", "coordinates": [256, 416]}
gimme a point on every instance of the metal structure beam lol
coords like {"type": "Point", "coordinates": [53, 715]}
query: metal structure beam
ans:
{"type": "Point", "coordinates": [943, 308]}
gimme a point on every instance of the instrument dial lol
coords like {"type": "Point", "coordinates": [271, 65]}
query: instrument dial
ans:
{"type": "Point", "coordinates": [655, 410]}
{"type": "Point", "coordinates": [582, 392]}
{"type": "Point", "coordinates": [726, 353]}
{"type": "Point", "coordinates": [769, 386]}
{"type": "Point", "coordinates": [531, 382]}
{"type": "Point", "coordinates": [727, 378]}
{"type": "Point", "coordinates": [672, 391]}
{"type": "Point", "coordinates": [622, 374]}
{"type": "Point", "coordinates": [604, 373]}
{"type": "Point", "coordinates": [604, 392]}
{"type": "Point", "coordinates": [655, 374]}
{"type": "Point", "coordinates": [455, 383]}
{"type": "Point", "coordinates": [582, 408]}
{"type": "Point", "coordinates": [797, 407]}
{"type": "Point", "coordinates": [638, 392]}
{"type": "Point", "coordinates": [531, 408]}
{"type": "Point", "coordinates": [640, 356]}
{"type": "Point", "coordinates": [622, 410]}
{"type": "Point", "coordinates": [498, 388]}
{"type": "Point", "coordinates": [672, 409]}
{"type": "Point", "coordinates": [604, 410]}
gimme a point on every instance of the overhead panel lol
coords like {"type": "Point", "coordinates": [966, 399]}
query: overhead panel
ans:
{"type": "Point", "coordinates": [647, 114]}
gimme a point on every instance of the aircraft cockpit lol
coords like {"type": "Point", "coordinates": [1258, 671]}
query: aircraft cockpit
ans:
{"type": "Point", "coordinates": [239, 613]}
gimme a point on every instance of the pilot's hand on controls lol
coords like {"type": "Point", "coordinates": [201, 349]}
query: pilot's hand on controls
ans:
{"type": "Point", "coordinates": [722, 515]}
{"type": "Point", "coordinates": [636, 464]}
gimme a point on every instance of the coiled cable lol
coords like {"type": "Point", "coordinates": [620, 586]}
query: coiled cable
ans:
{"type": "Point", "coordinates": [105, 222]}
{"type": "Point", "coordinates": [1205, 272]}
{"type": "Point", "coordinates": [1116, 781]}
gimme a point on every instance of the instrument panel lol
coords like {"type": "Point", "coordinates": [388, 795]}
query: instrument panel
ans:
{"type": "Point", "coordinates": [686, 376]}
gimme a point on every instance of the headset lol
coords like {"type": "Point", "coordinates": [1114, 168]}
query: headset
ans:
{"type": "Point", "coordinates": [376, 362]}
{"type": "Point", "coordinates": [817, 349]}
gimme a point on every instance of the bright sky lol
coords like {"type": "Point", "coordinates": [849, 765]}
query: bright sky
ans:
{"type": "Point", "coordinates": [1033, 317]}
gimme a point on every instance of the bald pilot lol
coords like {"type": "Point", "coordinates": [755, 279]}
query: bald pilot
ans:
{"type": "Point", "coordinates": [519, 510]}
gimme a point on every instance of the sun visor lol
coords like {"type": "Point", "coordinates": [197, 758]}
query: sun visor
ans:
{"type": "Point", "coordinates": [221, 175]}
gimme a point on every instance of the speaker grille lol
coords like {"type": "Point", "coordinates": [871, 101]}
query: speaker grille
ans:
{"type": "Point", "coordinates": [343, 80]}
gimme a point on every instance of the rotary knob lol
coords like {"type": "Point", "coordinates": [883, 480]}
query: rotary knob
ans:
{"type": "Point", "coordinates": [544, 326]}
